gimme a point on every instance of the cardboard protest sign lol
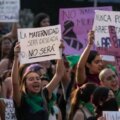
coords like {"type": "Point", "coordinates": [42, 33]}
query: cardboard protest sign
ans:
{"type": "Point", "coordinates": [9, 109]}
{"type": "Point", "coordinates": [111, 115]}
{"type": "Point", "coordinates": [39, 44]}
{"type": "Point", "coordinates": [107, 34]}
{"type": "Point", "coordinates": [75, 24]}
{"type": "Point", "coordinates": [107, 29]}
{"type": "Point", "coordinates": [9, 10]}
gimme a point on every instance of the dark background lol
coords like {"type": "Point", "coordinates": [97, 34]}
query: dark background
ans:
{"type": "Point", "coordinates": [52, 6]}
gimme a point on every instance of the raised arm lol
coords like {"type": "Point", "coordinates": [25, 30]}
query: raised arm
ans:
{"type": "Point", "coordinates": [15, 76]}
{"type": "Point", "coordinates": [80, 72]}
{"type": "Point", "coordinates": [13, 32]}
{"type": "Point", "coordinates": [57, 77]}
{"type": "Point", "coordinates": [59, 73]}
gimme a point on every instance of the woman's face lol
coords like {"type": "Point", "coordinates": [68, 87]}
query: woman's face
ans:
{"type": "Point", "coordinates": [96, 65]}
{"type": "Point", "coordinates": [33, 83]}
{"type": "Point", "coordinates": [6, 45]}
{"type": "Point", "coordinates": [45, 22]}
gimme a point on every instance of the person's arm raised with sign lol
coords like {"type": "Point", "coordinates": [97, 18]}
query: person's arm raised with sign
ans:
{"type": "Point", "coordinates": [90, 63]}
{"type": "Point", "coordinates": [15, 75]}
{"type": "Point", "coordinates": [60, 71]}
{"type": "Point", "coordinates": [13, 33]}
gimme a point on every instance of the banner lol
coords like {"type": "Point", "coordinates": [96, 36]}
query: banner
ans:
{"type": "Point", "coordinates": [39, 44]}
{"type": "Point", "coordinates": [75, 24]}
{"type": "Point", "coordinates": [9, 10]}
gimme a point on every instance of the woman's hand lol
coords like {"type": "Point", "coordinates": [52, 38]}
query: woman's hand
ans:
{"type": "Point", "coordinates": [17, 49]}
{"type": "Point", "coordinates": [91, 38]}
{"type": "Point", "coordinates": [62, 47]}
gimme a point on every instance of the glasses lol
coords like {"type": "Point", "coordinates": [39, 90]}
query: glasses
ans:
{"type": "Point", "coordinates": [110, 78]}
{"type": "Point", "coordinates": [33, 78]}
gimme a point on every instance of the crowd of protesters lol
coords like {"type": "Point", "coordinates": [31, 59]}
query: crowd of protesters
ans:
{"type": "Point", "coordinates": [52, 90]}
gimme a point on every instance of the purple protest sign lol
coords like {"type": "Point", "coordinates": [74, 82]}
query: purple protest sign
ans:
{"type": "Point", "coordinates": [75, 24]}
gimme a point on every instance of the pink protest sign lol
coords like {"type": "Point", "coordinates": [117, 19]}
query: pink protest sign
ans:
{"type": "Point", "coordinates": [75, 24]}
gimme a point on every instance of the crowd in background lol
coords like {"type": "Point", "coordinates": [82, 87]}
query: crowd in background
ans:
{"type": "Point", "coordinates": [53, 90]}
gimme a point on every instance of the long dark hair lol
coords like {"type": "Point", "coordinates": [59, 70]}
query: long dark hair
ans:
{"type": "Point", "coordinates": [91, 57]}
{"type": "Point", "coordinates": [82, 93]}
{"type": "Point", "coordinates": [38, 18]}
{"type": "Point", "coordinates": [100, 95]}
{"type": "Point", "coordinates": [1, 40]}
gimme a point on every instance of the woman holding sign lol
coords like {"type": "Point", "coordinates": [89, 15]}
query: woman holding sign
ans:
{"type": "Point", "coordinates": [31, 101]}
{"type": "Point", "coordinates": [90, 63]}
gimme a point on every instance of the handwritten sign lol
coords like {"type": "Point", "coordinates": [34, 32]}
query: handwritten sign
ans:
{"type": "Point", "coordinates": [9, 109]}
{"type": "Point", "coordinates": [107, 34]}
{"type": "Point", "coordinates": [9, 10]}
{"type": "Point", "coordinates": [75, 24]}
{"type": "Point", "coordinates": [102, 22]}
{"type": "Point", "coordinates": [39, 44]}
{"type": "Point", "coordinates": [111, 115]}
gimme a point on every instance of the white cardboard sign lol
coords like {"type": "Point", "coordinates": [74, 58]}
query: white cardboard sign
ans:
{"type": "Point", "coordinates": [9, 10]}
{"type": "Point", "coordinates": [39, 44]}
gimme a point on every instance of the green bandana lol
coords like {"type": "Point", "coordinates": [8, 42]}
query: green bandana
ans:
{"type": "Point", "coordinates": [89, 106]}
{"type": "Point", "coordinates": [34, 101]}
{"type": "Point", "coordinates": [113, 68]}
{"type": "Point", "coordinates": [73, 60]}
